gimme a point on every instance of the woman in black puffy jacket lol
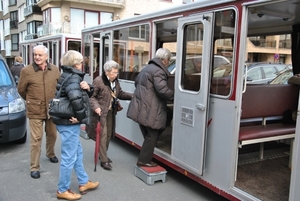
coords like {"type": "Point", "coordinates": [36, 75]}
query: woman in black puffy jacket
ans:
{"type": "Point", "coordinates": [78, 92]}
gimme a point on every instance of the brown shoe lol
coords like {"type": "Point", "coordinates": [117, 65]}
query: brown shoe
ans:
{"type": "Point", "coordinates": [106, 165]}
{"type": "Point", "coordinates": [141, 164]}
{"type": "Point", "coordinates": [68, 195]}
{"type": "Point", "coordinates": [88, 187]}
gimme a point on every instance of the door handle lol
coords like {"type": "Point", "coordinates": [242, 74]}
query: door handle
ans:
{"type": "Point", "coordinates": [200, 106]}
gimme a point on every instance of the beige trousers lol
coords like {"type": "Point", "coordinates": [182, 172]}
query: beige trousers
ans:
{"type": "Point", "coordinates": [105, 137]}
{"type": "Point", "coordinates": [36, 136]}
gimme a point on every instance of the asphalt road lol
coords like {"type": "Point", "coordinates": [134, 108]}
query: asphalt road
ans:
{"type": "Point", "coordinates": [120, 184]}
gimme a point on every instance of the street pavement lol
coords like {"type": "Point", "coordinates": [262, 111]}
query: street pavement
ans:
{"type": "Point", "coordinates": [120, 184]}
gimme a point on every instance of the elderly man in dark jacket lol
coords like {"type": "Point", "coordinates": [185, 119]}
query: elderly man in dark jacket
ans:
{"type": "Point", "coordinates": [148, 106]}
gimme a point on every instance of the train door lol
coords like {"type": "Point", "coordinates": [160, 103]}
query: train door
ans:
{"type": "Point", "coordinates": [106, 48]}
{"type": "Point", "coordinates": [191, 91]}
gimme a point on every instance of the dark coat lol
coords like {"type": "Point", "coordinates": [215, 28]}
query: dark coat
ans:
{"type": "Point", "coordinates": [16, 69]}
{"type": "Point", "coordinates": [148, 106]}
{"type": "Point", "coordinates": [78, 97]}
{"type": "Point", "coordinates": [37, 87]}
{"type": "Point", "coordinates": [101, 98]}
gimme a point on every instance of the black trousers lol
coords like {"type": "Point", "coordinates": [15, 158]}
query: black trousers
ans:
{"type": "Point", "coordinates": [150, 139]}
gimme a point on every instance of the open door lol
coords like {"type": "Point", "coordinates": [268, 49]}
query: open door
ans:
{"type": "Point", "coordinates": [192, 91]}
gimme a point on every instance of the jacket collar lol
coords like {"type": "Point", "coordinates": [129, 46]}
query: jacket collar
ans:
{"type": "Point", "coordinates": [36, 67]}
{"type": "Point", "coordinates": [106, 81]}
{"type": "Point", "coordinates": [70, 69]}
{"type": "Point", "coordinates": [159, 63]}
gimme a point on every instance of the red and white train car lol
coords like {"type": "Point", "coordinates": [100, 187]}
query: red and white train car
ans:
{"type": "Point", "coordinates": [225, 134]}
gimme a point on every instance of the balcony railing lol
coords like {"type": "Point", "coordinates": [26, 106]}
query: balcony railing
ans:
{"type": "Point", "coordinates": [109, 3]}
{"type": "Point", "coordinates": [14, 24]}
{"type": "Point", "coordinates": [31, 36]}
{"type": "Point", "coordinates": [56, 28]}
{"type": "Point", "coordinates": [285, 44]}
{"type": "Point", "coordinates": [32, 9]}
{"type": "Point", "coordinates": [264, 43]}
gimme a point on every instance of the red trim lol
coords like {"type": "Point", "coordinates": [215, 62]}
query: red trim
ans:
{"type": "Point", "coordinates": [184, 172]}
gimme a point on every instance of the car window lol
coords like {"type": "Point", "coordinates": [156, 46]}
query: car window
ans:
{"type": "Point", "coordinates": [270, 72]}
{"type": "Point", "coordinates": [281, 67]}
{"type": "Point", "coordinates": [254, 74]}
{"type": "Point", "coordinates": [5, 79]}
{"type": "Point", "coordinates": [283, 78]}
{"type": "Point", "coordinates": [219, 61]}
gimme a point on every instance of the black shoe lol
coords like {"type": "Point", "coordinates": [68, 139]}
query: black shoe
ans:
{"type": "Point", "coordinates": [110, 161]}
{"type": "Point", "coordinates": [54, 159]}
{"type": "Point", "coordinates": [35, 174]}
{"type": "Point", "coordinates": [106, 165]}
{"type": "Point", "coordinates": [151, 164]}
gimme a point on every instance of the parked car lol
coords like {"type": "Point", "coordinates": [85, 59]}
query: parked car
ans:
{"type": "Point", "coordinates": [283, 77]}
{"type": "Point", "coordinates": [264, 73]}
{"type": "Point", "coordinates": [218, 61]}
{"type": "Point", "coordinates": [257, 73]}
{"type": "Point", "coordinates": [13, 121]}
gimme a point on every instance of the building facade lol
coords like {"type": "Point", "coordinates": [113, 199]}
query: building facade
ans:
{"type": "Point", "coordinates": [29, 19]}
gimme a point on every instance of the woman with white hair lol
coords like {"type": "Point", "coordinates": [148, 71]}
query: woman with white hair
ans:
{"type": "Point", "coordinates": [107, 91]}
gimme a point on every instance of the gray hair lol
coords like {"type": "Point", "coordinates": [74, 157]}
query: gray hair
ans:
{"type": "Point", "coordinates": [71, 58]}
{"type": "Point", "coordinates": [41, 47]}
{"type": "Point", "coordinates": [163, 54]}
{"type": "Point", "coordinates": [109, 65]}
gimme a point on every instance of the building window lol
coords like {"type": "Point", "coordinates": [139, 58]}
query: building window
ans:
{"type": "Point", "coordinates": [137, 32]}
{"type": "Point", "coordinates": [31, 2]}
{"type": "Point", "coordinates": [14, 42]}
{"type": "Point", "coordinates": [12, 2]}
{"type": "Point", "coordinates": [21, 13]}
{"type": "Point", "coordinates": [14, 20]}
{"type": "Point", "coordinates": [32, 27]}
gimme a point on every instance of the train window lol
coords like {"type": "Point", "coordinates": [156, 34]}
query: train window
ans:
{"type": "Point", "coordinates": [131, 50]}
{"type": "Point", "coordinates": [224, 28]}
{"type": "Point", "coordinates": [74, 45]}
{"type": "Point", "coordinates": [192, 59]}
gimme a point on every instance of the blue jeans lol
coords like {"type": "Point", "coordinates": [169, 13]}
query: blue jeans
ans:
{"type": "Point", "coordinates": [71, 157]}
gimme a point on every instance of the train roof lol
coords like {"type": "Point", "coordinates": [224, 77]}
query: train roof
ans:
{"type": "Point", "coordinates": [50, 37]}
{"type": "Point", "coordinates": [267, 17]}
{"type": "Point", "coordinates": [160, 13]}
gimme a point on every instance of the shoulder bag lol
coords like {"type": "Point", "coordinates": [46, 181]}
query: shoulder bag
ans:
{"type": "Point", "coordinates": [61, 106]}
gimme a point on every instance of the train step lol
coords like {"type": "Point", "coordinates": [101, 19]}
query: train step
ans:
{"type": "Point", "coordinates": [150, 174]}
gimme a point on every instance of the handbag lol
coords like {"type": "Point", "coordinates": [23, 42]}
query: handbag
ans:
{"type": "Point", "coordinates": [116, 103]}
{"type": "Point", "coordinates": [61, 106]}
{"type": "Point", "coordinates": [119, 106]}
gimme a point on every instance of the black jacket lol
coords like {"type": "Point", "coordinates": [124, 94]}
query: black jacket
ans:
{"type": "Point", "coordinates": [79, 98]}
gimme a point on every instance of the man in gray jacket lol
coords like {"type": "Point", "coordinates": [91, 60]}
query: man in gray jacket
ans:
{"type": "Point", "coordinates": [148, 107]}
